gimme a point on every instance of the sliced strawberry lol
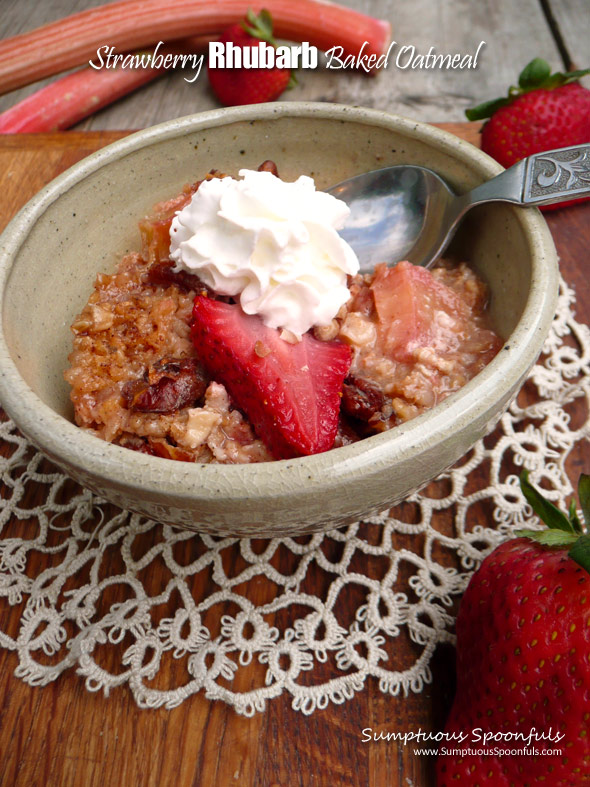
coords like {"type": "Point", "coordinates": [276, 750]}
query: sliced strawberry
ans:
{"type": "Point", "coordinates": [291, 393]}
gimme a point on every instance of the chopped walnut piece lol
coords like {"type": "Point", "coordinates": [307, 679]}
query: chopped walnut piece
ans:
{"type": "Point", "coordinates": [199, 425]}
{"type": "Point", "coordinates": [261, 349]}
{"type": "Point", "coordinates": [359, 330]}
{"type": "Point", "coordinates": [102, 318]}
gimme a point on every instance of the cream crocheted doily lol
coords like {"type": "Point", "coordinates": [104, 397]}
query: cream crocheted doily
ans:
{"type": "Point", "coordinates": [118, 597]}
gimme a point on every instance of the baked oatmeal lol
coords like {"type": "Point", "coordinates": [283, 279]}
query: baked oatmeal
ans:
{"type": "Point", "coordinates": [403, 339]}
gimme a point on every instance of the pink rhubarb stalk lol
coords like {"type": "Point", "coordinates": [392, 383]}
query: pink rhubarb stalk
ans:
{"type": "Point", "coordinates": [70, 99]}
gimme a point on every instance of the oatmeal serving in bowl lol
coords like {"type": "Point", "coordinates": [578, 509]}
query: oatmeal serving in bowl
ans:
{"type": "Point", "coordinates": [142, 374]}
{"type": "Point", "coordinates": [242, 331]}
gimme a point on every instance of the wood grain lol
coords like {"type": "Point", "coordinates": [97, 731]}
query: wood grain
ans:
{"type": "Point", "coordinates": [572, 24]}
{"type": "Point", "coordinates": [64, 735]}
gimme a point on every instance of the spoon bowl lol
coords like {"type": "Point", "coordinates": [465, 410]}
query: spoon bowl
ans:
{"type": "Point", "coordinates": [409, 212]}
{"type": "Point", "coordinates": [395, 213]}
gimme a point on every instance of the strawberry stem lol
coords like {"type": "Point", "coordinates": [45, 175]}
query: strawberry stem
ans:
{"type": "Point", "coordinates": [259, 26]}
{"type": "Point", "coordinates": [573, 517]}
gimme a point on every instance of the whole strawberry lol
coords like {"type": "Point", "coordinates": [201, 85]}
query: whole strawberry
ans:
{"type": "Point", "coordinates": [546, 111]}
{"type": "Point", "coordinates": [521, 714]}
{"type": "Point", "coordinates": [235, 86]}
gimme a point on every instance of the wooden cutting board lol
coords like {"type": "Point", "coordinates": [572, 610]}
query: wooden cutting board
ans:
{"type": "Point", "coordinates": [63, 734]}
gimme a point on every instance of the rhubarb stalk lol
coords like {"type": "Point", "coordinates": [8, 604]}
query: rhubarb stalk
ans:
{"type": "Point", "coordinates": [70, 99]}
{"type": "Point", "coordinates": [135, 24]}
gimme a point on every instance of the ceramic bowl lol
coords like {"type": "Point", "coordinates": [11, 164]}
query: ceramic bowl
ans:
{"type": "Point", "coordinates": [83, 221]}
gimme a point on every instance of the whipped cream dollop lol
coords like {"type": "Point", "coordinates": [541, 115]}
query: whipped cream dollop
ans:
{"type": "Point", "coordinates": [273, 243]}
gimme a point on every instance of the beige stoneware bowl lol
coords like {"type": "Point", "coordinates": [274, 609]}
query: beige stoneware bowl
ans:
{"type": "Point", "coordinates": [82, 223]}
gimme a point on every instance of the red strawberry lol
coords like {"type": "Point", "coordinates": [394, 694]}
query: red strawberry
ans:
{"type": "Point", "coordinates": [546, 111]}
{"type": "Point", "coordinates": [543, 119]}
{"type": "Point", "coordinates": [291, 393]}
{"type": "Point", "coordinates": [234, 86]}
{"type": "Point", "coordinates": [523, 636]}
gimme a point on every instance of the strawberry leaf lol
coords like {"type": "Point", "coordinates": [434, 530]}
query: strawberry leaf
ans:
{"type": "Point", "coordinates": [549, 538]}
{"type": "Point", "coordinates": [584, 495]}
{"type": "Point", "coordinates": [572, 76]}
{"type": "Point", "coordinates": [580, 552]}
{"type": "Point", "coordinates": [545, 510]}
{"type": "Point", "coordinates": [486, 109]}
{"type": "Point", "coordinates": [534, 74]}
{"type": "Point", "coordinates": [559, 78]}
{"type": "Point", "coordinates": [563, 531]}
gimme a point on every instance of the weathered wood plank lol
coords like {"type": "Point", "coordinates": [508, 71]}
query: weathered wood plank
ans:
{"type": "Point", "coordinates": [514, 33]}
{"type": "Point", "coordinates": [572, 18]}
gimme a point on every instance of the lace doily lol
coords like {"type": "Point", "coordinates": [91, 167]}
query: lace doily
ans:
{"type": "Point", "coordinates": [125, 600]}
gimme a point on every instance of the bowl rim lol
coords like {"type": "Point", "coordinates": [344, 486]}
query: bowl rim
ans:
{"type": "Point", "coordinates": [64, 442]}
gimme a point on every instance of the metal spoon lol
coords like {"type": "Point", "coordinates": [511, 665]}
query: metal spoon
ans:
{"type": "Point", "coordinates": [409, 213]}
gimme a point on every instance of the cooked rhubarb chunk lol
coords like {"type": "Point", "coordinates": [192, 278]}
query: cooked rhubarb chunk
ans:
{"type": "Point", "coordinates": [420, 318]}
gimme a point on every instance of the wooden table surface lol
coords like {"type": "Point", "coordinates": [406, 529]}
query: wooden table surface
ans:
{"type": "Point", "coordinates": [64, 735]}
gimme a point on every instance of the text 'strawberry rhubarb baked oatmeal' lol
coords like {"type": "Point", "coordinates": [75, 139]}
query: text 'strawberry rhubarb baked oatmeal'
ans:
{"type": "Point", "coordinates": [243, 331]}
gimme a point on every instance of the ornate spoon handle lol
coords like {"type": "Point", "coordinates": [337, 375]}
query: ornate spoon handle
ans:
{"type": "Point", "coordinates": [541, 179]}
{"type": "Point", "coordinates": [557, 175]}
